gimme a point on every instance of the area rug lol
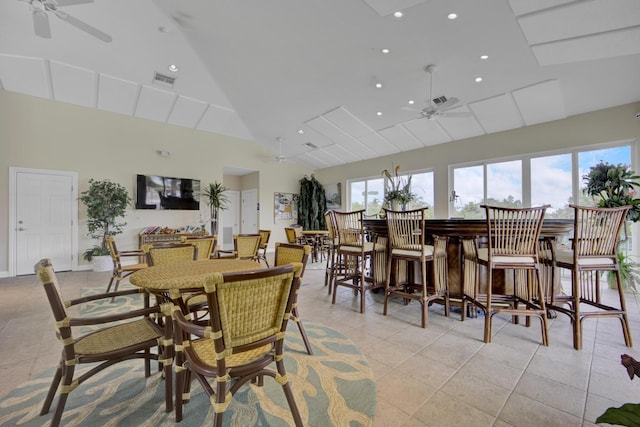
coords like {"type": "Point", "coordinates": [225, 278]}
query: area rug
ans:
{"type": "Point", "coordinates": [333, 387]}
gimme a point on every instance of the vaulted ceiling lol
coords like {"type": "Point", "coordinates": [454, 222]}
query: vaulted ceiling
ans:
{"type": "Point", "coordinates": [299, 76]}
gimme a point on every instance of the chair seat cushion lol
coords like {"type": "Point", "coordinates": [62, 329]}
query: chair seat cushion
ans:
{"type": "Point", "coordinates": [117, 337]}
{"type": "Point", "coordinates": [413, 252]}
{"type": "Point", "coordinates": [368, 247]}
{"type": "Point", "coordinates": [565, 256]}
{"type": "Point", "coordinates": [483, 255]}
{"type": "Point", "coordinates": [205, 350]}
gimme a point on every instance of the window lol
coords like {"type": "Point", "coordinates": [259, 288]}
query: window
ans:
{"type": "Point", "coordinates": [368, 194]}
{"type": "Point", "coordinates": [556, 180]}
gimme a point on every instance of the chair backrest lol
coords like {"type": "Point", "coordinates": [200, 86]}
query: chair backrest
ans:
{"type": "Point", "coordinates": [287, 253]}
{"type": "Point", "coordinates": [349, 227]}
{"type": "Point", "coordinates": [290, 232]}
{"type": "Point", "coordinates": [264, 237]}
{"type": "Point", "coordinates": [247, 310]}
{"type": "Point", "coordinates": [596, 230]}
{"type": "Point", "coordinates": [171, 253]}
{"type": "Point", "coordinates": [246, 245]}
{"type": "Point", "coordinates": [205, 244]}
{"type": "Point", "coordinates": [113, 251]}
{"type": "Point", "coordinates": [406, 228]}
{"type": "Point", "coordinates": [514, 231]}
{"type": "Point", "coordinates": [328, 218]}
{"type": "Point", "coordinates": [46, 276]}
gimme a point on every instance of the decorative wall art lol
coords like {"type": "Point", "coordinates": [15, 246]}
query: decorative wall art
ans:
{"type": "Point", "coordinates": [334, 196]}
{"type": "Point", "coordinates": [285, 207]}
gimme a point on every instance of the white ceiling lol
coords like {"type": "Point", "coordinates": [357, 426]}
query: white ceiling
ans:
{"type": "Point", "coordinates": [260, 69]}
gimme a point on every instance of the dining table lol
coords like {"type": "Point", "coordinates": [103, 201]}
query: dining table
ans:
{"type": "Point", "coordinates": [317, 237]}
{"type": "Point", "coordinates": [169, 282]}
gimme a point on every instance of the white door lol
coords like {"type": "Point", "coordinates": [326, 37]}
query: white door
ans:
{"type": "Point", "coordinates": [230, 221]}
{"type": "Point", "coordinates": [250, 211]}
{"type": "Point", "coordinates": [44, 224]}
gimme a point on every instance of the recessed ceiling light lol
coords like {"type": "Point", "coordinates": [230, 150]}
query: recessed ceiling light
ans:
{"type": "Point", "coordinates": [397, 14]}
{"type": "Point", "coordinates": [378, 85]}
{"type": "Point", "coordinates": [164, 29]}
{"type": "Point", "coordinates": [379, 113]}
{"type": "Point", "coordinates": [411, 102]}
{"type": "Point", "coordinates": [300, 131]}
{"type": "Point", "coordinates": [385, 50]}
{"type": "Point", "coordinates": [484, 56]}
{"type": "Point", "coordinates": [478, 79]}
{"type": "Point", "coordinates": [452, 16]}
{"type": "Point", "coordinates": [174, 68]}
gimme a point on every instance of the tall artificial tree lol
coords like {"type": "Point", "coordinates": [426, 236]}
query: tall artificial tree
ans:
{"type": "Point", "coordinates": [312, 204]}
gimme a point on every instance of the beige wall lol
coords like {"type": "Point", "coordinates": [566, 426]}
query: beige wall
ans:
{"type": "Point", "coordinates": [42, 134]}
{"type": "Point", "coordinates": [614, 124]}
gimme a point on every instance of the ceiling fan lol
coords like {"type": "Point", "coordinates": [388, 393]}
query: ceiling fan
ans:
{"type": "Point", "coordinates": [440, 106]}
{"type": "Point", "coordinates": [40, 10]}
{"type": "Point", "coordinates": [280, 158]}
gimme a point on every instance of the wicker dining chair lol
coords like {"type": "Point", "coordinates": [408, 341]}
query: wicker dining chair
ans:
{"type": "Point", "coordinates": [171, 253]}
{"type": "Point", "coordinates": [512, 236]}
{"type": "Point", "coordinates": [121, 271]}
{"type": "Point", "coordinates": [249, 314]}
{"type": "Point", "coordinates": [245, 246]}
{"type": "Point", "coordinates": [287, 253]}
{"type": "Point", "coordinates": [594, 249]}
{"type": "Point", "coordinates": [206, 244]}
{"type": "Point", "coordinates": [407, 244]}
{"type": "Point", "coordinates": [332, 264]}
{"type": "Point", "coordinates": [264, 244]}
{"type": "Point", "coordinates": [357, 254]}
{"type": "Point", "coordinates": [112, 343]}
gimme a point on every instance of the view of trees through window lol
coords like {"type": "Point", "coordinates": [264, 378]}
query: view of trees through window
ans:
{"type": "Point", "coordinates": [368, 194]}
{"type": "Point", "coordinates": [533, 181]}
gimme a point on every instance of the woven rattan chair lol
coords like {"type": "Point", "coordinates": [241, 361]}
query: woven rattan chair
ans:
{"type": "Point", "coordinates": [206, 244]}
{"type": "Point", "coordinates": [290, 234]}
{"type": "Point", "coordinates": [120, 271]}
{"type": "Point", "coordinates": [249, 314]}
{"type": "Point", "coordinates": [512, 245]}
{"type": "Point", "coordinates": [245, 246]}
{"type": "Point", "coordinates": [408, 245]}
{"type": "Point", "coordinates": [594, 250]}
{"type": "Point", "coordinates": [332, 243]}
{"type": "Point", "coordinates": [357, 254]}
{"type": "Point", "coordinates": [112, 343]}
{"type": "Point", "coordinates": [287, 254]}
{"type": "Point", "coordinates": [171, 253]}
{"type": "Point", "coordinates": [264, 244]}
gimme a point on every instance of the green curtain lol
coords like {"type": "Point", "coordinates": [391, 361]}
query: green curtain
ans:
{"type": "Point", "coordinates": [312, 204]}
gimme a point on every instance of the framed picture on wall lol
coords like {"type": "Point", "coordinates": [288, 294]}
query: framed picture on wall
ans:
{"type": "Point", "coordinates": [333, 193]}
{"type": "Point", "coordinates": [285, 207]}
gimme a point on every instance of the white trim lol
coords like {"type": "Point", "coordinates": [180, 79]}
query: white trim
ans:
{"type": "Point", "coordinates": [13, 172]}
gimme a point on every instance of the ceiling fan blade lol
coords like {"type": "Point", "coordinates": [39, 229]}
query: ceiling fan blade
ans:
{"type": "Point", "coordinates": [413, 110]}
{"type": "Point", "coordinates": [72, 2]}
{"type": "Point", "coordinates": [456, 114]}
{"type": "Point", "coordinates": [84, 26]}
{"type": "Point", "coordinates": [41, 24]}
{"type": "Point", "coordinates": [449, 103]}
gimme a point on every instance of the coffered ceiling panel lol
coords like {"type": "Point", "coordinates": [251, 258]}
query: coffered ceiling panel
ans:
{"type": "Point", "coordinates": [427, 131]}
{"type": "Point", "coordinates": [117, 95]}
{"type": "Point", "coordinates": [310, 159]}
{"type": "Point", "coordinates": [338, 154]}
{"type": "Point", "coordinates": [338, 136]}
{"type": "Point", "coordinates": [460, 127]}
{"type": "Point", "coordinates": [401, 138]}
{"type": "Point", "coordinates": [25, 75]}
{"type": "Point", "coordinates": [187, 112]}
{"type": "Point", "coordinates": [497, 113]}
{"type": "Point", "coordinates": [541, 102]}
{"type": "Point", "coordinates": [521, 7]}
{"type": "Point", "coordinates": [73, 85]}
{"type": "Point", "coordinates": [154, 104]}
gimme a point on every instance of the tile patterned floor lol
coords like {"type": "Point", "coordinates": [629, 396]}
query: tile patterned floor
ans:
{"type": "Point", "coordinates": [443, 375]}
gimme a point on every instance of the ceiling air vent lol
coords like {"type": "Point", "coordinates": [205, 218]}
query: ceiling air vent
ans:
{"type": "Point", "coordinates": [310, 145]}
{"type": "Point", "coordinates": [163, 79]}
{"type": "Point", "coordinates": [440, 100]}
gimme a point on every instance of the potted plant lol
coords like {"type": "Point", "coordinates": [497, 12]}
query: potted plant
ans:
{"type": "Point", "coordinates": [397, 193]}
{"type": "Point", "coordinates": [613, 186]}
{"type": "Point", "coordinates": [217, 201]}
{"type": "Point", "coordinates": [106, 203]}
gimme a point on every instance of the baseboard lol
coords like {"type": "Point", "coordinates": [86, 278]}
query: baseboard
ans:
{"type": "Point", "coordinates": [4, 274]}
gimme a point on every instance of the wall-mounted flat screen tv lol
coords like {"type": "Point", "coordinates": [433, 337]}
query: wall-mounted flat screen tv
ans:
{"type": "Point", "coordinates": [163, 192]}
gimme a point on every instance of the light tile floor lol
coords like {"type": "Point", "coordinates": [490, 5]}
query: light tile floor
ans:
{"type": "Point", "coordinates": [443, 375]}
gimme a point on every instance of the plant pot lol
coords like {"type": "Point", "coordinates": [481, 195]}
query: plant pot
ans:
{"type": "Point", "coordinates": [102, 263]}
